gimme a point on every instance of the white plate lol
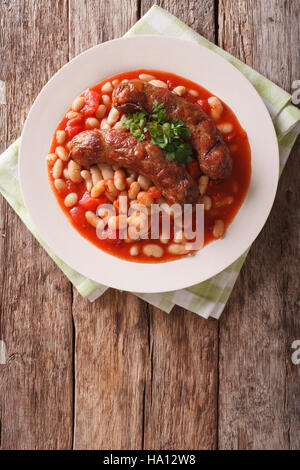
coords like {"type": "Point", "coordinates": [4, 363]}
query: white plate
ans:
{"type": "Point", "coordinates": [190, 61]}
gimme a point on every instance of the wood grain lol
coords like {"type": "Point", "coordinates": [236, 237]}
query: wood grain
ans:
{"type": "Point", "coordinates": [35, 300]}
{"type": "Point", "coordinates": [125, 375]}
{"type": "Point", "coordinates": [181, 392]}
{"type": "Point", "coordinates": [259, 385]}
{"type": "Point", "coordinates": [112, 333]}
{"type": "Point", "coordinates": [181, 408]}
{"type": "Point", "coordinates": [111, 362]}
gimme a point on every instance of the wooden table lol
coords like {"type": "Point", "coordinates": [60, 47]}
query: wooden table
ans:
{"type": "Point", "coordinates": [118, 373]}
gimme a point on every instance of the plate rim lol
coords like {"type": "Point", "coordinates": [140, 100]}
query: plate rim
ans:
{"type": "Point", "coordinates": [182, 284]}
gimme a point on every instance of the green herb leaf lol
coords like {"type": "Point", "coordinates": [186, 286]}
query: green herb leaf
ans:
{"type": "Point", "coordinates": [169, 134]}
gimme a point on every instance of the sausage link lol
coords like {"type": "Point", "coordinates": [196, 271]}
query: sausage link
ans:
{"type": "Point", "coordinates": [117, 146]}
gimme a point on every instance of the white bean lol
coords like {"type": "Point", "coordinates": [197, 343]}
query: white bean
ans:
{"type": "Point", "coordinates": [202, 184]}
{"type": "Point", "coordinates": [138, 221]}
{"type": "Point", "coordinates": [146, 77]}
{"type": "Point", "coordinates": [113, 116]}
{"type": "Point", "coordinates": [180, 90]}
{"type": "Point", "coordinates": [98, 189]}
{"type": "Point", "coordinates": [60, 137]}
{"type": "Point", "coordinates": [134, 189]}
{"type": "Point", "coordinates": [219, 228]}
{"type": "Point", "coordinates": [134, 250]}
{"type": "Point", "coordinates": [92, 219]}
{"type": "Point", "coordinates": [78, 103]}
{"type": "Point", "coordinates": [59, 184]}
{"type": "Point", "coordinates": [144, 182]}
{"type": "Point", "coordinates": [106, 171]}
{"type": "Point", "coordinates": [176, 249]}
{"type": "Point", "coordinates": [62, 153]}
{"type": "Point", "coordinates": [106, 100]}
{"type": "Point", "coordinates": [178, 237]}
{"type": "Point", "coordinates": [71, 199]}
{"type": "Point", "coordinates": [226, 201]}
{"type": "Point", "coordinates": [68, 145]}
{"type": "Point", "coordinates": [120, 180]}
{"type": "Point", "coordinates": [216, 107]}
{"type": "Point", "coordinates": [107, 88]}
{"type": "Point", "coordinates": [96, 174]}
{"type": "Point", "coordinates": [66, 174]}
{"type": "Point", "coordinates": [129, 180]}
{"type": "Point", "coordinates": [132, 173]}
{"type": "Point", "coordinates": [193, 92]}
{"type": "Point", "coordinates": [104, 124]}
{"type": "Point", "coordinates": [164, 239]}
{"type": "Point", "coordinates": [117, 222]}
{"type": "Point", "coordinates": [153, 250]}
{"type": "Point", "coordinates": [92, 123]}
{"type": "Point", "coordinates": [72, 114]}
{"type": "Point", "coordinates": [51, 157]}
{"type": "Point", "coordinates": [206, 200]}
{"type": "Point", "coordinates": [74, 171]}
{"type": "Point", "coordinates": [111, 191]}
{"type": "Point", "coordinates": [115, 82]}
{"type": "Point", "coordinates": [86, 175]}
{"type": "Point", "coordinates": [118, 125]}
{"type": "Point", "coordinates": [57, 168]}
{"type": "Point", "coordinates": [158, 83]}
{"type": "Point", "coordinates": [225, 127]}
{"type": "Point", "coordinates": [105, 212]}
{"type": "Point", "coordinates": [101, 110]}
{"type": "Point", "coordinates": [144, 198]}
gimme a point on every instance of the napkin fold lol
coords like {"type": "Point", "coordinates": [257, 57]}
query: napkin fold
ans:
{"type": "Point", "coordinates": [207, 298]}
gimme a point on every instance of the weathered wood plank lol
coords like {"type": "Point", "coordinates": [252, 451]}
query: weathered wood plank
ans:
{"type": "Point", "coordinates": [111, 361]}
{"type": "Point", "coordinates": [198, 15]}
{"type": "Point", "coordinates": [35, 299]}
{"type": "Point", "coordinates": [259, 385]}
{"type": "Point", "coordinates": [181, 392]}
{"type": "Point", "coordinates": [112, 333]}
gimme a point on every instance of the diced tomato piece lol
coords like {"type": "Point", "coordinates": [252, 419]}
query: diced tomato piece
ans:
{"type": "Point", "coordinates": [78, 215]}
{"type": "Point", "coordinates": [193, 169]}
{"type": "Point", "coordinates": [92, 101]}
{"type": "Point", "coordinates": [73, 130]}
{"type": "Point", "coordinates": [88, 111]}
{"type": "Point", "coordinates": [74, 126]}
{"type": "Point", "coordinates": [76, 121]}
{"type": "Point", "coordinates": [92, 98]}
{"type": "Point", "coordinates": [204, 105]}
{"type": "Point", "coordinates": [91, 203]}
{"type": "Point", "coordinates": [154, 193]}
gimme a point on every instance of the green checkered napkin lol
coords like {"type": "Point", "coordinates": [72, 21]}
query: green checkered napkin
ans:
{"type": "Point", "coordinates": [207, 298]}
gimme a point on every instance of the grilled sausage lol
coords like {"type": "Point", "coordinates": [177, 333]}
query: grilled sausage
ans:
{"type": "Point", "coordinates": [117, 146]}
{"type": "Point", "coordinates": [213, 154]}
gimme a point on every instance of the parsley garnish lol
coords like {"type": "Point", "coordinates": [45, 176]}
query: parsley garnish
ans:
{"type": "Point", "coordinates": [168, 134]}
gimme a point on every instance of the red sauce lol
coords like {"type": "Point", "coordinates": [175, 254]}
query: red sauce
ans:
{"type": "Point", "coordinates": [232, 190]}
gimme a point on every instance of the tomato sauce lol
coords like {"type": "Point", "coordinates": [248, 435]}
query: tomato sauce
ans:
{"type": "Point", "coordinates": [226, 195]}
